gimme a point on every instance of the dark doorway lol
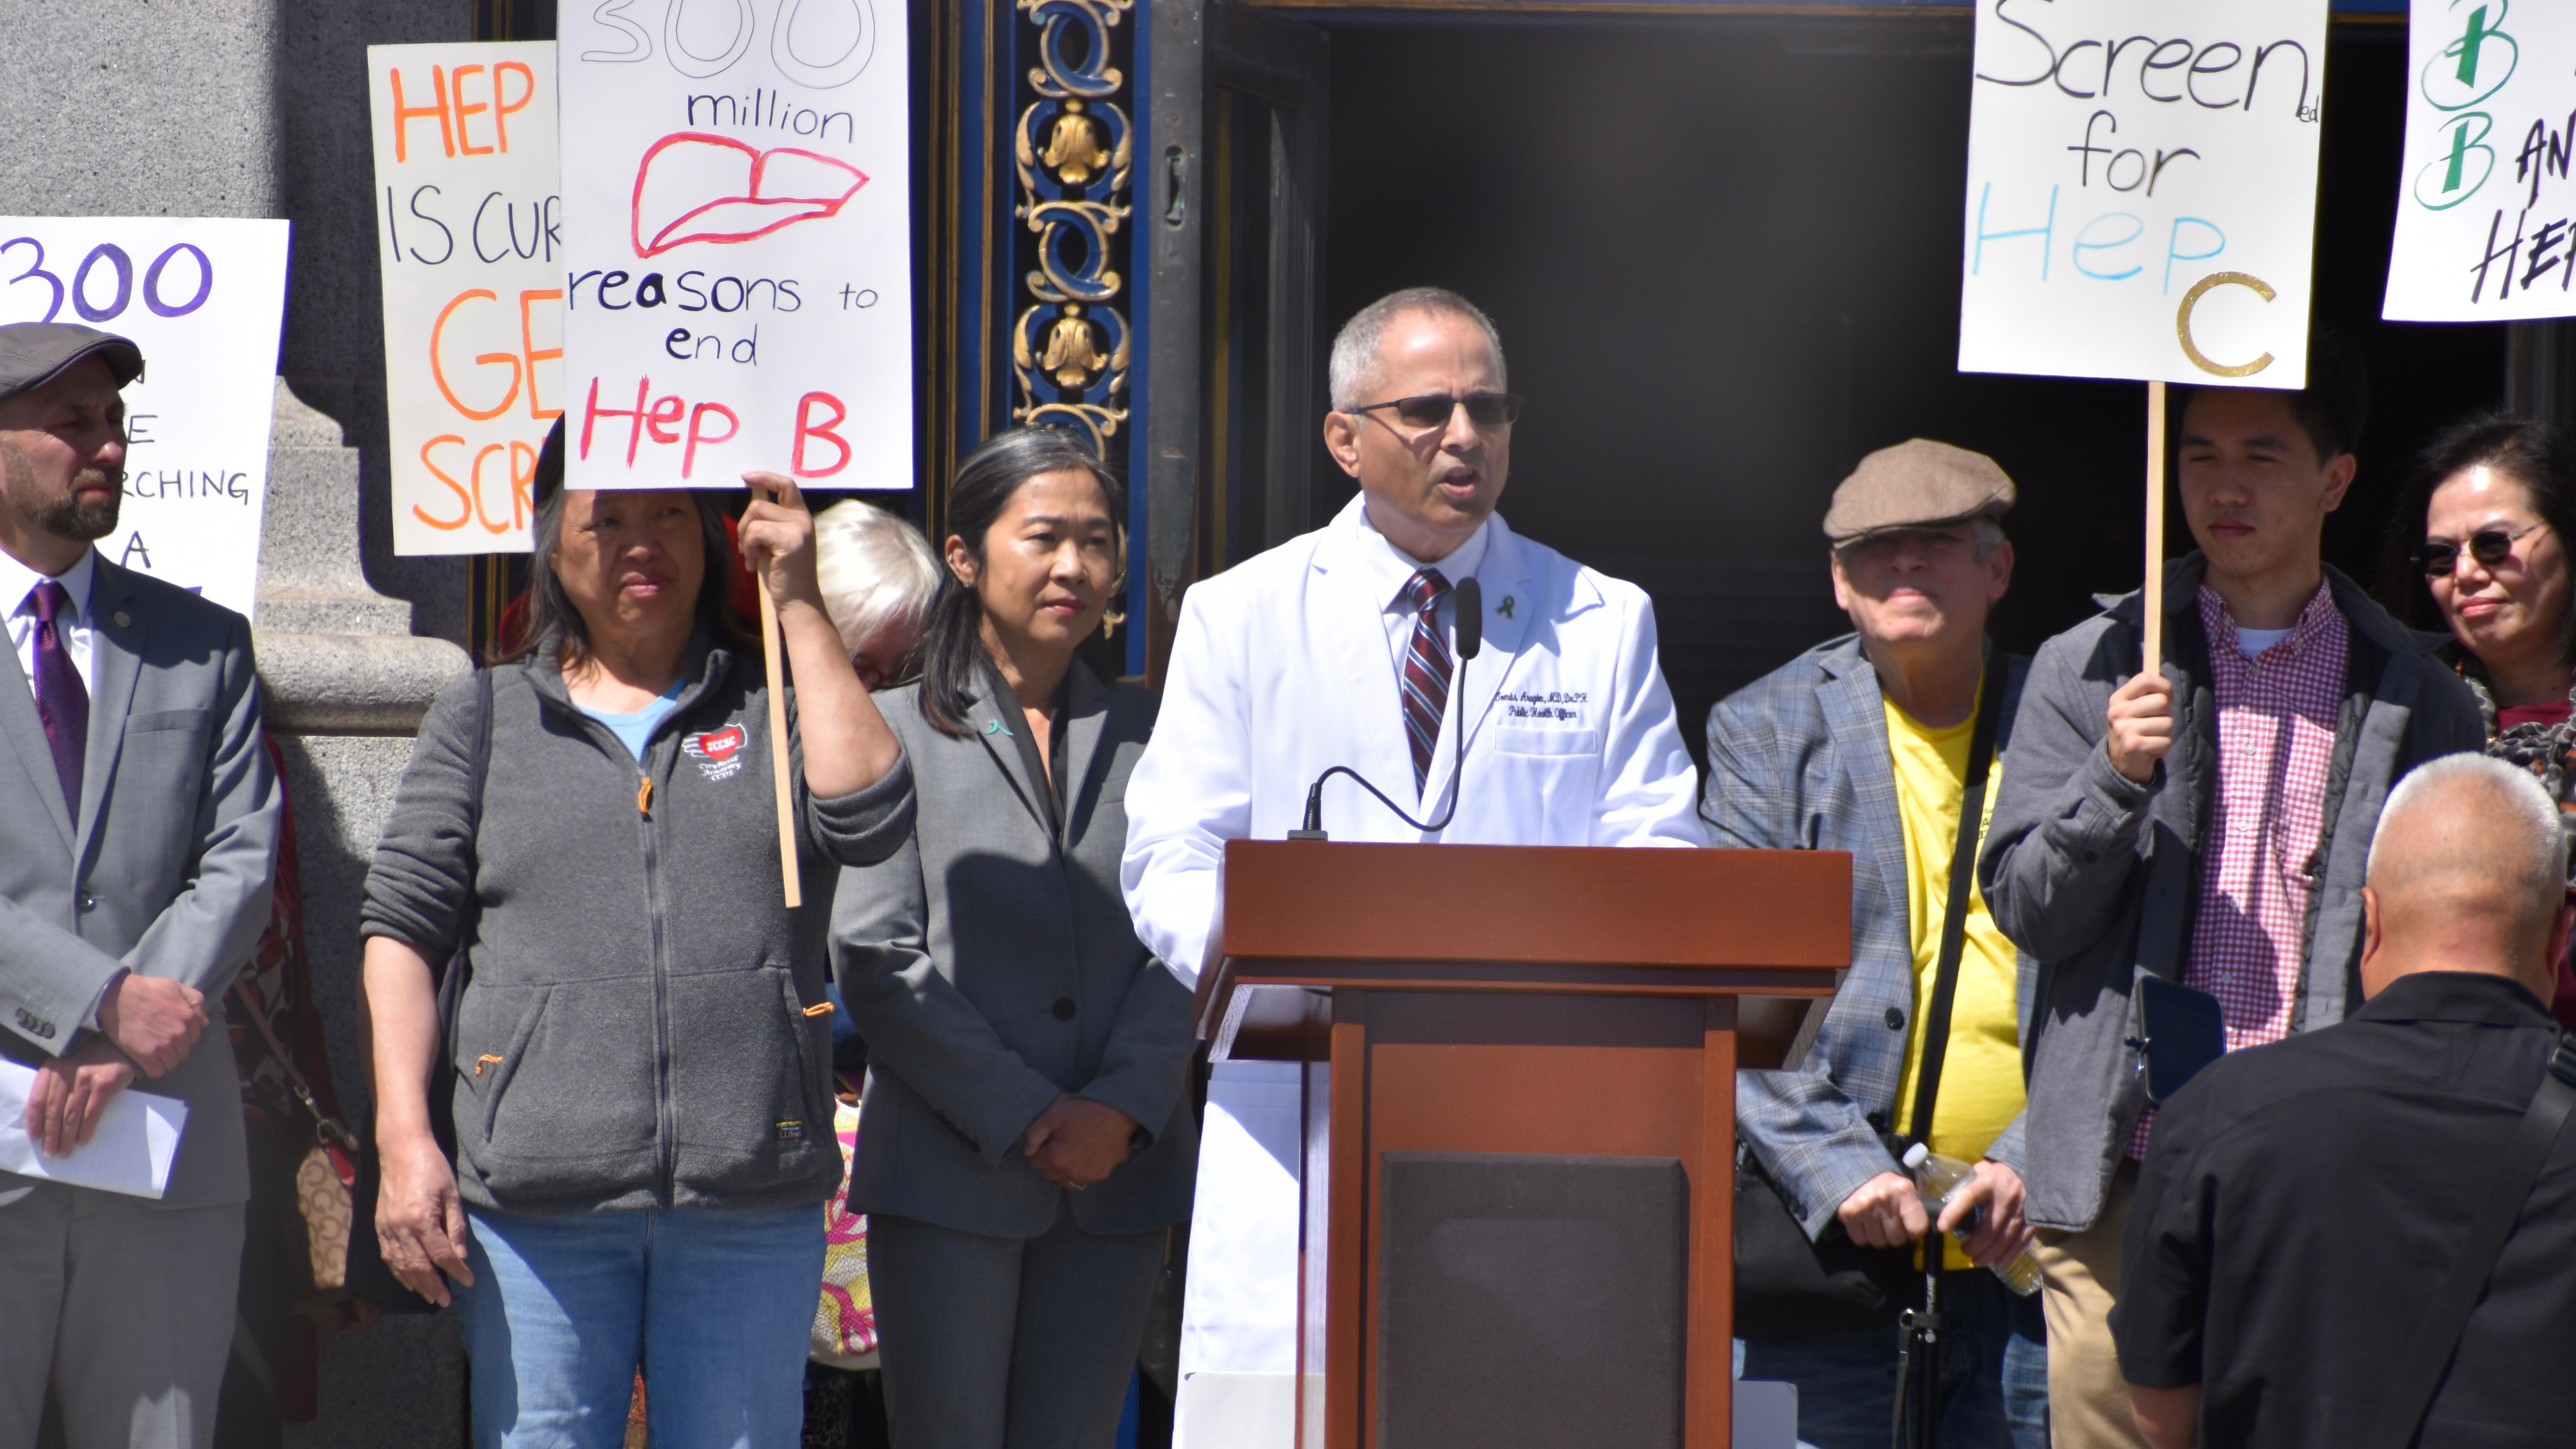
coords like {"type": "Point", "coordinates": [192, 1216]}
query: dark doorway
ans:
{"type": "Point", "coordinates": [1724, 255]}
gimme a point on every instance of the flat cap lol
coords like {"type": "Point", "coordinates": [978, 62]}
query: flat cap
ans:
{"type": "Point", "coordinates": [35, 353]}
{"type": "Point", "coordinates": [1916, 484]}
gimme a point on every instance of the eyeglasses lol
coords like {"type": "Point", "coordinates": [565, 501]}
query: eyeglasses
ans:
{"type": "Point", "coordinates": [2489, 546]}
{"type": "Point", "coordinates": [1433, 410]}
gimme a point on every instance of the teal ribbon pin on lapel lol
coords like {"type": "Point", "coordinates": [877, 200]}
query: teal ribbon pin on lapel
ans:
{"type": "Point", "coordinates": [996, 727]}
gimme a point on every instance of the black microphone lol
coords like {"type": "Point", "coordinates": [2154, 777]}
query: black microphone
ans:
{"type": "Point", "coordinates": [1470, 597]}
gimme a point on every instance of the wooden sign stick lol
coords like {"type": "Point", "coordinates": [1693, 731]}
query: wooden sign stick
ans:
{"type": "Point", "coordinates": [2154, 598]}
{"type": "Point", "coordinates": [778, 742]}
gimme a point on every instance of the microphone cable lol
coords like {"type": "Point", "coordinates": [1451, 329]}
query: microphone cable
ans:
{"type": "Point", "coordinates": [1470, 599]}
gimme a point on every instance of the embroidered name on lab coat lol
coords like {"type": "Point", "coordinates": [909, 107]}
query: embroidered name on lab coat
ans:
{"type": "Point", "coordinates": [1544, 704]}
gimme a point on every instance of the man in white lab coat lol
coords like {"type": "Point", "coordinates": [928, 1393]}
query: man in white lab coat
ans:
{"type": "Point", "coordinates": [1338, 648]}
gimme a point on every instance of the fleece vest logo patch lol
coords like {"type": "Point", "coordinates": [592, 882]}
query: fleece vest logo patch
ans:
{"type": "Point", "coordinates": [718, 752]}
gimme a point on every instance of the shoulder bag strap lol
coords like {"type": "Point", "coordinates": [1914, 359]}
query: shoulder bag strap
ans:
{"type": "Point", "coordinates": [2437, 1333]}
{"type": "Point", "coordinates": [1963, 880]}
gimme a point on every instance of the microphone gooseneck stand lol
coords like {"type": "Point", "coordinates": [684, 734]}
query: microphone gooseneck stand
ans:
{"type": "Point", "coordinates": [1470, 597]}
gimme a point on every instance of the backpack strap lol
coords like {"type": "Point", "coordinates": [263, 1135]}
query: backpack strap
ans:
{"type": "Point", "coordinates": [1963, 883]}
{"type": "Point", "coordinates": [2437, 1334]}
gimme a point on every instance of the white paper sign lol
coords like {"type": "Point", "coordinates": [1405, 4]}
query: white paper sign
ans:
{"type": "Point", "coordinates": [202, 298]}
{"type": "Point", "coordinates": [737, 213]}
{"type": "Point", "coordinates": [131, 1152]}
{"type": "Point", "coordinates": [469, 238]}
{"type": "Point", "coordinates": [2142, 180]}
{"type": "Point", "coordinates": [2484, 203]}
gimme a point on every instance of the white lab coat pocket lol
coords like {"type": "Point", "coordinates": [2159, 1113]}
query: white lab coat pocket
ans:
{"type": "Point", "coordinates": [1545, 779]}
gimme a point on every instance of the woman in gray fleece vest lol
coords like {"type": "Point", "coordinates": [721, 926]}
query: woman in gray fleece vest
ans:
{"type": "Point", "coordinates": [638, 1070]}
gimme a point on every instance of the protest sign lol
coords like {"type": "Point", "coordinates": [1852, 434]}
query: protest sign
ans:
{"type": "Point", "coordinates": [202, 298]}
{"type": "Point", "coordinates": [469, 241]}
{"type": "Point", "coordinates": [2142, 189]}
{"type": "Point", "coordinates": [737, 218]}
{"type": "Point", "coordinates": [2484, 205]}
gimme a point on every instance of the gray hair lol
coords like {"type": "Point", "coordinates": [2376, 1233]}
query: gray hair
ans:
{"type": "Point", "coordinates": [874, 568]}
{"type": "Point", "coordinates": [2528, 840]}
{"type": "Point", "coordinates": [1355, 347]}
{"type": "Point", "coordinates": [1989, 531]}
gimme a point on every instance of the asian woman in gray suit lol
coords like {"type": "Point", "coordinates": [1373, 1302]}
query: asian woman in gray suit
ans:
{"type": "Point", "coordinates": [1026, 1136]}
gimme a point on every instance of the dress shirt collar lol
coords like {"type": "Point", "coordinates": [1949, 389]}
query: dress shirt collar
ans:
{"type": "Point", "coordinates": [2316, 617]}
{"type": "Point", "coordinates": [17, 581]}
{"type": "Point", "coordinates": [1389, 570]}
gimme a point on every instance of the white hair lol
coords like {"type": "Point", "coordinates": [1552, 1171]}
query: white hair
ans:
{"type": "Point", "coordinates": [2528, 840]}
{"type": "Point", "coordinates": [875, 569]}
{"type": "Point", "coordinates": [1355, 347]}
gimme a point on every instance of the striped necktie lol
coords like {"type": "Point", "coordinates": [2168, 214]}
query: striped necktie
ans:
{"type": "Point", "coordinates": [1426, 671]}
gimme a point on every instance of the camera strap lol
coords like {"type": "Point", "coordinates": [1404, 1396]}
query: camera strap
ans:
{"type": "Point", "coordinates": [1954, 918]}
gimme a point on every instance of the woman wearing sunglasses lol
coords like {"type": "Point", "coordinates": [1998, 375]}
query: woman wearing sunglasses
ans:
{"type": "Point", "coordinates": [2487, 522]}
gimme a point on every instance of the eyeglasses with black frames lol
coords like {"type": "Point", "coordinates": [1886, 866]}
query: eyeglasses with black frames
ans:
{"type": "Point", "coordinates": [1433, 410]}
{"type": "Point", "coordinates": [2489, 546]}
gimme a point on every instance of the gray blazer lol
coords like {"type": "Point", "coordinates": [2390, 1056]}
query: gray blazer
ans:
{"type": "Point", "coordinates": [2099, 876]}
{"type": "Point", "coordinates": [1798, 760]}
{"type": "Point", "coordinates": [168, 870]}
{"type": "Point", "coordinates": [990, 964]}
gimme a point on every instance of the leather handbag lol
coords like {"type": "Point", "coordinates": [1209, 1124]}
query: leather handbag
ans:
{"type": "Point", "coordinates": [1788, 1286]}
{"type": "Point", "coordinates": [328, 1169]}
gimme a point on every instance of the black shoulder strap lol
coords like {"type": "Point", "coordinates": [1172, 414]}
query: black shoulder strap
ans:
{"type": "Point", "coordinates": [2437, 1332]}
{"type": "Point", "coordinates": [482, 739]}
{"type": "Point", "coordinates": [1963, 880]}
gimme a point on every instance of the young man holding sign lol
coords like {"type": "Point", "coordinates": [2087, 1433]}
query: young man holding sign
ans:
{"type": "Point", "coordinates": [2204, 823]}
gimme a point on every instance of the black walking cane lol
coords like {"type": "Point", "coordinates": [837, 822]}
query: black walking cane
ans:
{"type": "Point", "coordinates": [1918, 1365]}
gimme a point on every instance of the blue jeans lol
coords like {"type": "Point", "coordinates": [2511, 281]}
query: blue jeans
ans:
{"type": "Point", "coordinates": [1993, 1373]}
{"type": "Point", "coordinates": [714, 1306]}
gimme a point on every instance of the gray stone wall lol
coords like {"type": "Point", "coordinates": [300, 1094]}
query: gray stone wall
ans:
{"type": "Point", "coordinates": [259, 108]}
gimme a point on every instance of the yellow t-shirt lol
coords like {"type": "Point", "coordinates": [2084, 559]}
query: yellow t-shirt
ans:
{"type": "Point", "coordinates": [1981, 1089]}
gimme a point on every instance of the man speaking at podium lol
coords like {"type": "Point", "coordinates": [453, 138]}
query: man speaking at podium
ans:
{"type": "Point", "coordinates": [1340, 648]}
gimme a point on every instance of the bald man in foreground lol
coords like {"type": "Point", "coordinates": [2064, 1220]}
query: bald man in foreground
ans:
{"type": "Point", "coordinates": [2301, 1202]}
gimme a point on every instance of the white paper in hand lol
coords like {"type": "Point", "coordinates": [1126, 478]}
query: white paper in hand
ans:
{"type": "Point", "coordinates": [136, 1141]}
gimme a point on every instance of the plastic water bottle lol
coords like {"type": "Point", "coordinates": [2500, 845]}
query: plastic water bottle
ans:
{"type": "Point", "coordinates": [1936, 1177]}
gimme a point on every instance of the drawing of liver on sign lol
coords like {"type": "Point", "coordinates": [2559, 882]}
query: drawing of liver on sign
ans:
{"type": "Point", "coordinates": [698, 188]}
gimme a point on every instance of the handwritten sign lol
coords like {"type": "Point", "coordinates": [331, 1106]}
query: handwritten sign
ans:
{"type": "Point", "coordinates": [2484, 204]}
{"type": "Point", "coordinates": [737, 213]}
{"type": "Point", "coordinates": [2142, 180]}
{"type": "Point", "coordinates": [469, 238]}
{"type": "Point", "coordinates": [202, 298]}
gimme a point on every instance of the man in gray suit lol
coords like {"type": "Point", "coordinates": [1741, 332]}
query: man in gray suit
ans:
{"type": "Point", "coordinates": [135, 871]}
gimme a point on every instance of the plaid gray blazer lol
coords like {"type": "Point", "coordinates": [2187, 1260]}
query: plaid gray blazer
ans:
{"type": "Point", "coordinates": [1797, 760]}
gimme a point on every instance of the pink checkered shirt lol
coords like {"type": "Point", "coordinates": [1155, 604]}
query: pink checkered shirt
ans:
{"type": "Point", "coordinates": [2276, 739]}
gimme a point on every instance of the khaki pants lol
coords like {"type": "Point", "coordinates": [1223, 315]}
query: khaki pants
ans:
{"type": "Point", "coordinates": [2088, 1402]}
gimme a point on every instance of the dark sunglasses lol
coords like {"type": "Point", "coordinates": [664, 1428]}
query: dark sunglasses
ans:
{"type": "Point", "coordinates": [1432, 410]}
{"type": "Point", "coordinates": [2489, 546]}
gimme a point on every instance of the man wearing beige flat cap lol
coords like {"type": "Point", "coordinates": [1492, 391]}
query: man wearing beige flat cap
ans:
{"type": "Point", "coordinates": [1880, 743]}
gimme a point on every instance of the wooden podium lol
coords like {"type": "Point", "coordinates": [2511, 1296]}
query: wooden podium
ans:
{"type": "Point", "coordinates": [1529, 1149]}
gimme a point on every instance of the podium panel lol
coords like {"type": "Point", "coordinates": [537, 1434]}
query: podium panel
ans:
{"type": "Point", "coordinates": [1529, 1145]}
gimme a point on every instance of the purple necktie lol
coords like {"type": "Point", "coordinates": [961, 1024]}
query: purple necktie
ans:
{"type": "Point", "coordinates": [61, 700]}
